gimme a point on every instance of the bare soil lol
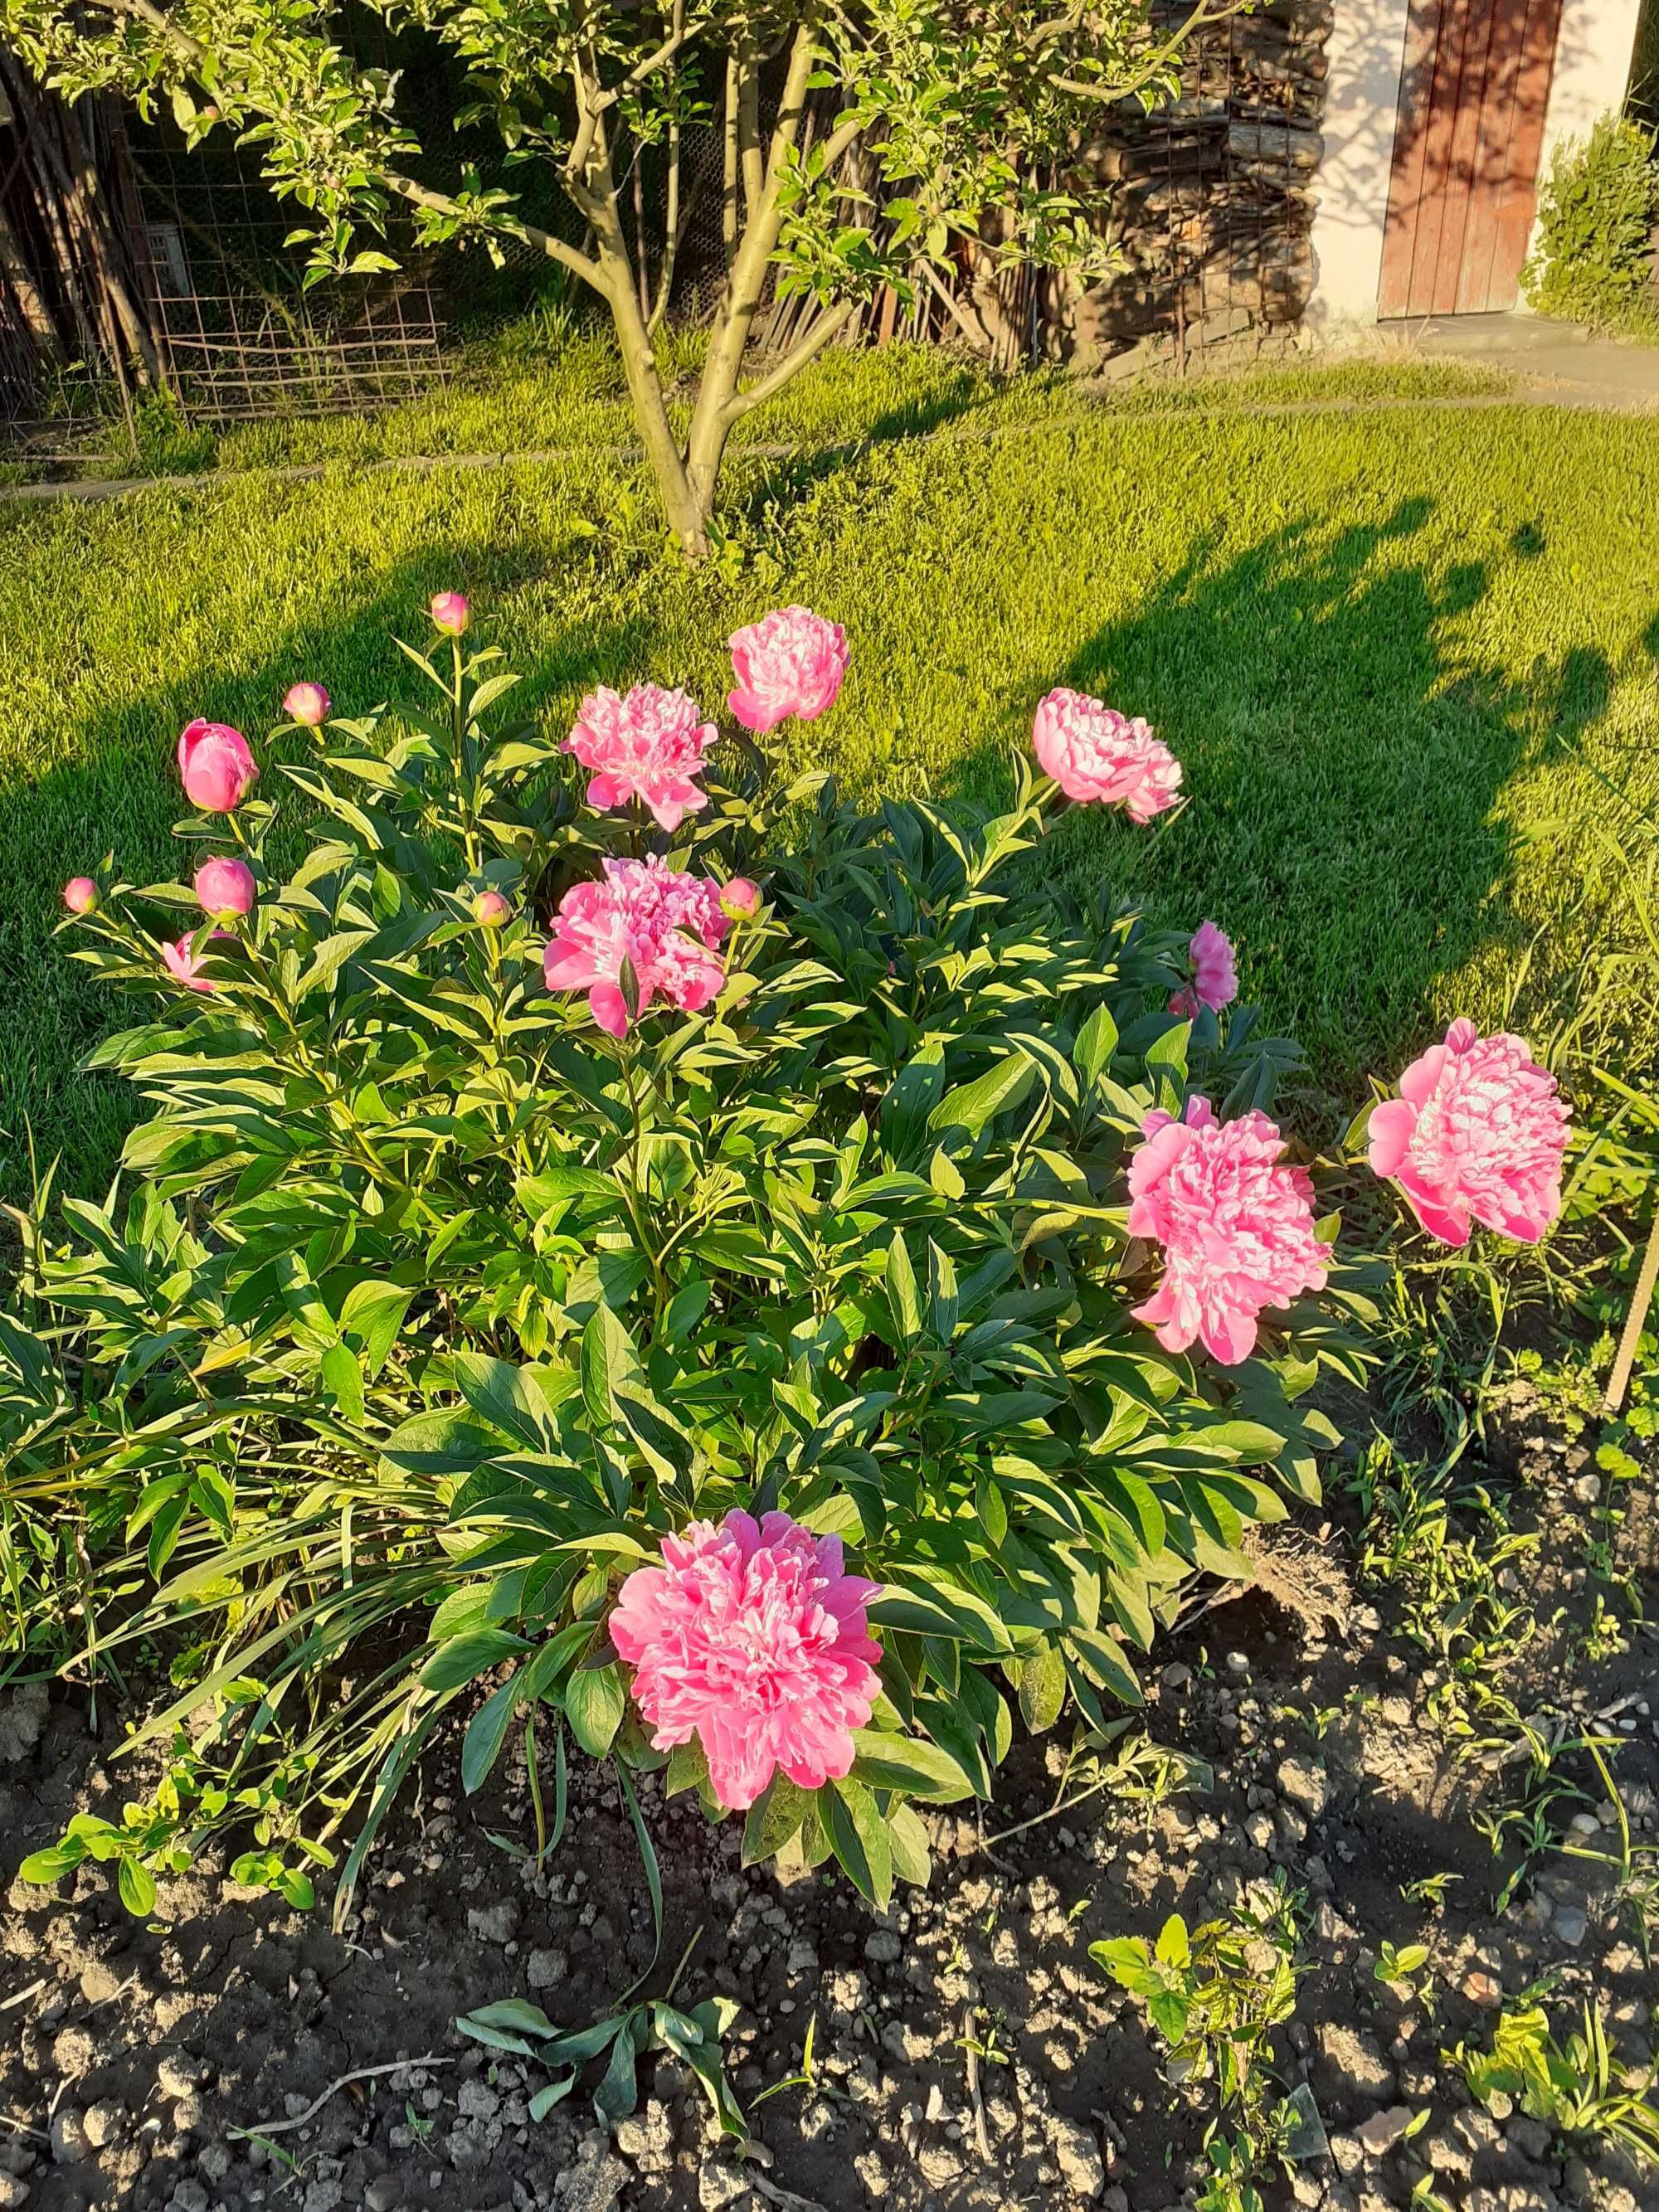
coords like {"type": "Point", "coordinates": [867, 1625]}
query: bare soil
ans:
{"type": "Point", "coordinates": [140, 2064]}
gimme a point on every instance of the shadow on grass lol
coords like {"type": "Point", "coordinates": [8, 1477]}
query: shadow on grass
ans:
{"type": "Point", "coordinates": [1344, 757]}
{"type": "Point", "coordinates": [785, 481]}
{"type": "Point", "coordinates": [1344, 750]}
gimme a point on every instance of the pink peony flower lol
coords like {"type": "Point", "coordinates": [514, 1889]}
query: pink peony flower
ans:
{"type": "Point", "coordinates": [1234, 1223]}
{"type": "Point", "coordinates": [185, 966]}
{"type": "Point", "coordinates": [1093, 752]}
{"type": "Point", "coordinates": [667, 926]}
{"type": "Point", "coordinates": [753, 1638]}
{"type": "Point", "coordinates": [1215, 979]}
{"type": "Point", "coordinates": [81, 895]}
{"type": "Point", "coordinates": [493, 910]}
{"type": "Point", "coordinates": [1477, 1134]}
{"type": "Point", "coordinates": [216, 766]}
{"type": "Point", "coordinates": [648, 745]}
{"type": "Point", "coordinates": [225, 887]}
{"type": "Point", "coordinates": [307, 703]}
{"type": "Point", "coordinates": [451, 612]}
{"type": "Point", "coordinates": [791, 663]}
{"type": "Point", "coordinates": [739, 897]}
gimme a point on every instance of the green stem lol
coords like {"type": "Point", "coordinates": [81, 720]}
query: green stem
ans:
{"type": "Point", "coordinates": [534, 1771]}
{"type": "Point", "coordinates": [465, 796]}
{"type": "Point", "coordinates": [633, 1194]}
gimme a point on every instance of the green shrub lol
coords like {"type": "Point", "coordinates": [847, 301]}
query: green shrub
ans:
{"type": "Point", "coordinates": [428, 1309]}
{"type": "Point", "coordinates": [1593, 260]}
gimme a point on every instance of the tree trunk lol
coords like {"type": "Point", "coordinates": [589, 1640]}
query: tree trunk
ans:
{"type": "Point", "coordinates": [687, 504]}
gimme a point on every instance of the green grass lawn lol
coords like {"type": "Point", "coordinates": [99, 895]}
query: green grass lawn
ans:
{"type": "Point", "coordinates": [1409, 655]}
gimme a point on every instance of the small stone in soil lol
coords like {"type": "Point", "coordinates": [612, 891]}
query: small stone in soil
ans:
{"type": "Point", "coordinates": [1570, 1923]}
{"type": "Point", "coordinates": [1378, 2135]}
{"type": "Point", "coordinates": [494, 1924]}
{"type": "Point", "coordinates": [1303, 1781]}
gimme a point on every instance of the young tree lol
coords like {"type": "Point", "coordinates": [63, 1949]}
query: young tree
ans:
{"type": "Point", "coordinates": [935, 120]}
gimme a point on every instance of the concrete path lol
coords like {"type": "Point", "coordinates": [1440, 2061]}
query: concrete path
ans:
{"type": "Point", "coordinates": [1562, 361]}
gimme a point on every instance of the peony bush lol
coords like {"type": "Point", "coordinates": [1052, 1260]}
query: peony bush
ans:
{"type": "Point", "coordinates": [773, 1289]}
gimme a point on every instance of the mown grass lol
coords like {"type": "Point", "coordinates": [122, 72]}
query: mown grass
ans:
{"type": "Point", "coordinates": [1409, 656]}
{"type": "Point", "coordinates": [511, 396]}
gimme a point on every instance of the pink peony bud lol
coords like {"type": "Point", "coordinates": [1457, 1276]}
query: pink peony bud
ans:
{"type": "Point", "coordinates": [791, 663]}
{"type": "Point", "coordinates": [1215, 976]}
{"type": "Point", "coordinates": [493, 911]}
{"type": "Point", "coordinates": [451, 612]}
{"type": "Point", "coordinates": [307, 703]}
{"type": "Point", "coordinates": [739, 896]}
{"type": "Point", "coordinates": [81, 895]}
{"type": "Point", "coordinates": [185, 966]}
{"type": "Point", "coordinates": [216, 765]}
{"type": "Point", "coordinates": [225, 887]}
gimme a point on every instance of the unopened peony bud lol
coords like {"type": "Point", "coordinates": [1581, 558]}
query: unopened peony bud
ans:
{"type": "Point", "coordinates": [307, 703]}
{"type": "Point", "coordinates": [739, 896]}
{"type": "Point", "coordinates": [226, 888]}
{"type": "Point", "coordinates": [493, 911]}
{"type": "Point", "coordinates": [451, 612]}
{"type": "Point", "coordinates": [216, 766]}
{"type": "Point", "coordinates": [81, 895]}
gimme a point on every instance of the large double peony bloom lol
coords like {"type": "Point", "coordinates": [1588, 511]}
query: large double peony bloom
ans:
{"type": "Point", "coordinates": [645, 743]}
{"type": "Point", "coordinates": [668, 926]}
{"type": "Point", "coordinates": [1096, 754]}
{"type": "Point", "coordinates": [1477, 1134]}
{"type": "Point", "coordinates": [1234, 1223]}
{"type": "Point", "coordinates": [789, 666]}
{"type": "Point", "coordinates": [753, 1638]}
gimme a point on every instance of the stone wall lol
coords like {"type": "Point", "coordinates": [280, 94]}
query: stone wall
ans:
{"type": "Point", "coordinates": [1213, 196]}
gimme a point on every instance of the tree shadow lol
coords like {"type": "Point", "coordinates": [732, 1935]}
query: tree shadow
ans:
{"type": "Point", "coordinates": [785, 481]}
{"type": "Point", "coordinates": [1344, 757]}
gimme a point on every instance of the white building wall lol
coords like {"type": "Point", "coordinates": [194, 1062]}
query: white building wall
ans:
{"type": "Point", "coordinates": [1367, 51]}
{"type": "Point", "coordinates": [1367, 55]}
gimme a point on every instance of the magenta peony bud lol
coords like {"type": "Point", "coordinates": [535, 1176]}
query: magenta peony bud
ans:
{"type": "Point", "coordinates": [225, 887]}
{"type": "Point", "coordinates": [493, 911]}
{"type": "Point", "coordinates": [81, 895]}
{"type": "Point", "coordinates": [739, 896]}
{"type": "Point", "coordinates": [451, 612]}
{"type": "Point", "coordinates": [307, 703]}
{"type": "Point", "coordinates": [216, 767]}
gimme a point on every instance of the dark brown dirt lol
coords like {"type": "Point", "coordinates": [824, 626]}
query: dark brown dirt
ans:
{"type": "Point", "coordinates": [130, 2056]}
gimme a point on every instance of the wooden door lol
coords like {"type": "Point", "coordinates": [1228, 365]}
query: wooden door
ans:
{"type": "Point", "coordinates": [1466, 146]}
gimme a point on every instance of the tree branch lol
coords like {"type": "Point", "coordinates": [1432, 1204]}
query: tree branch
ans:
{"type": "Point", "coordinates": [1109, 94]}
{"type": "Point", "coordinates": [162, 23]}
{"type": "Point", "coordinates": [652, 62]}
{"type": "Point", "coordinates": [750, 162]}
{"type": "Point", "coordinates": [825, 328]}
{"type": "Point", "coordinates": [404, 188]}
{"type": "Point", "coordinates": [556, 249]}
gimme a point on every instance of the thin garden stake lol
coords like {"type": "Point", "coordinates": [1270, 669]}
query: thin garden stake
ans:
{"type": "Point", "coordinates": [1618, 1381]}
